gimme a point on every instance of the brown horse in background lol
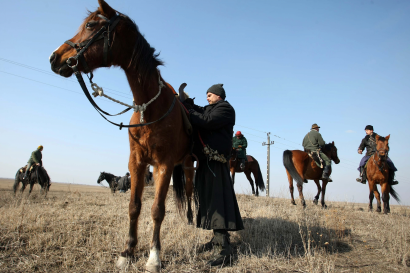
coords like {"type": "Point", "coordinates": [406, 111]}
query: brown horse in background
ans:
{"type": "Point", "coordinates": [251, 167]}
{"type": "Point", "coordinates": [165, 144]}
{"type": "Point", "coordinates": [300, 166]}
{"type": "Point", "coordinates": [378, 173]}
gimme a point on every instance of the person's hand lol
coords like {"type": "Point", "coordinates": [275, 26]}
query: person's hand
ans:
{"type": "Point", "coordinates": [360, 151]}
{"type": "Point", "coordinates": [239, 146]}
{"type": "Point", "coordinates": [188, 103]}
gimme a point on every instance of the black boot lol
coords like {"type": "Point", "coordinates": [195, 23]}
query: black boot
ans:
{"type": "Point", "coordinates": [326, 172]}
{"type": "Point", "coordinates": [242, 165]}
{"type": "Point", "coordinates": [391, 178]}
{"type": "Point", "coordinates": [362, 178]}
{"type": "Point", "coordinates": [221, 238]}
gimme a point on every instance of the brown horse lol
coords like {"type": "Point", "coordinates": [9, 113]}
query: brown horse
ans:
{"type": "Point", "coordinates": [300, 166]}
{"type": "Point", "coordinates": [108, 38]}
{"type": "Point", "coordinates": [251, 167]}
{"type": "Point", "coordinates": [378, 173]}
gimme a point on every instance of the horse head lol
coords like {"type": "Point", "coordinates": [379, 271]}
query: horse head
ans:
{"type": "Point", "coordinates": [382, 147]}
{"type": "Point", "coordinates": [101, 177]}
{"type": "Point", "coordinates": [233, 154]}
{"type": "Point", "coordinates": [104, 39]}
{"type": "Point", "coordinates": [332, 154]}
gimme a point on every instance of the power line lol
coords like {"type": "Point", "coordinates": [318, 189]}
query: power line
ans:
{"type": "Point", "coordinates": [250, 128]}
{"type": "Point", "coordinates": [62, 88]}
{"type": "Point", "coordinates": [54, 75]}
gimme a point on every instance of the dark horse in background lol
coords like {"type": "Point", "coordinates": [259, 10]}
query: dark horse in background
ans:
{"type": "Point", "coordinates": [251, 167]}
{"type": "Point", "coordinates": [37, 175]}
{"type": "Point", "coordinates": [164, 142]}
{"type": "Point", "coordinates": [111, 179]}
{"type": "Point", "coordinates": [378, 173]}
{"type": "Point", "coordinates": [300, 166]}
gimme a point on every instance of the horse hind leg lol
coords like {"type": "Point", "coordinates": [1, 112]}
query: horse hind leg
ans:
{"type": "Point", "coordinates": [189, 188]}
{"type": "Point", "coordinates": [302, 198]}
{"type": "Point", "coordinates": [291, 188]}
{"type": "Point", "coordinates": [248, 175]}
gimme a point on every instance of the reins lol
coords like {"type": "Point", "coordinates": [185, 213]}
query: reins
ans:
{"type": "Point", "coordinates": [105, 33]}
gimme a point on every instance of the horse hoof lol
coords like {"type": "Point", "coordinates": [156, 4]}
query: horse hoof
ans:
{"type": "Point", "coordinates": [253, 194]}
{"type": "Point", "coordinates": [324, 206]}
{"type": "Point", "coordinates": [152, 269]}
{"type": "Point", "coordinates": [293, 203]}
{"type": "Point", "coordinates": [315, 201]}
{"type": "Point", "coordinates": [379, 210]}
{"type": "Point", "coordinates": [121, 262]}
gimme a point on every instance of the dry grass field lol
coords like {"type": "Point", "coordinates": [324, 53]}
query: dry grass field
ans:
{"type": "Point", "coordinates": [83, 229]}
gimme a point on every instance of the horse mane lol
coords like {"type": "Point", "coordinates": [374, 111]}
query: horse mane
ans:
{"type": "Point", "coordinates": [143, 58]}
{"type": "Point", "coordinates": [328, 146]}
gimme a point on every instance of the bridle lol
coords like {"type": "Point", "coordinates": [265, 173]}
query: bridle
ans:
{"type": "Point", "coordinates": [103, 33]}
{"type": "Point", "coordinates": [381, 167]}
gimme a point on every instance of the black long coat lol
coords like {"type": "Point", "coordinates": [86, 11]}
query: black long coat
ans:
{"type": "Point", "coordinates": [215, 124]}
{"type": "Point", "coordinates": [218, 208]}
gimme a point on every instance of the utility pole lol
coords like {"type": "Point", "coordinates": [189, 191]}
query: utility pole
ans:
{"type": "Point", "coordinates": [268, 167]}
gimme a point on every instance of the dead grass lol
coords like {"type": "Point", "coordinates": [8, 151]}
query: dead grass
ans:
{"type": "Point", "coordinates": [84, 231]}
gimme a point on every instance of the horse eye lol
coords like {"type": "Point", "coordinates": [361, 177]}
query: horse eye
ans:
{"type": "Point", "coordinates": [90, 25]}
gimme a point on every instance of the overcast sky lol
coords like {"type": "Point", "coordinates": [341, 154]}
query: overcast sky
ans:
{"type": "Point", "coordinates": [284, 64]}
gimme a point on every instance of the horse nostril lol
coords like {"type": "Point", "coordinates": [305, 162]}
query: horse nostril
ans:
{"type": "Point", "coordinates": [52, 57]}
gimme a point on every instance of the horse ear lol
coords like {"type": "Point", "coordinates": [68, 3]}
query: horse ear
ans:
{"type": "Point", "coordinates": [387, 138]}
{"type": "Point", "coordinates": [105, 9]}
{"type": "Point", "coordinates": [377, 137]}
{"type": "Point", "coordinates": [333, 143]}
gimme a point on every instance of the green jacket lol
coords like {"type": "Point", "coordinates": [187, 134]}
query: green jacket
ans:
{"type": "Point", "coordinates": [313, 140]}
{"type": "Point", "coordinates": [35, 157]}
{"type": "Point", "coordinates": [242, 141]}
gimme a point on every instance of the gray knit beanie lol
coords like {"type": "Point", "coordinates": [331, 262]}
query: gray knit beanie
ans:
{"type": "Point", "coordinates": [217, 89]}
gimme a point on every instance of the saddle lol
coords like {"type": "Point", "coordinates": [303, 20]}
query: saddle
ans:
{"type": "Point", "coordinates": [315, 156]}
{"type": "Point", "coordinates": [23, 169]}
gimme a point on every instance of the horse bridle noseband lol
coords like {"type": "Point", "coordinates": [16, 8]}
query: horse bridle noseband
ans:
{"type": "Point", "coordinates": [381, 168]}
{"type": "Point", "coordinates": [103, 33]}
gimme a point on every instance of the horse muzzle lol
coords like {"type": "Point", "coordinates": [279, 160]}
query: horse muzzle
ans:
{"type": "Point", "coordinates": [60, 67]}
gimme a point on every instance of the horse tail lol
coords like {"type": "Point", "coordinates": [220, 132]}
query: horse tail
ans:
{"type": "Point", "coordinates": [394, 194]}
{"type": "Point", "coordinates": [16, 181]}
{"type": "Point", "coordinates": [259, 181]}
{"type": "Point", "coordinates": [178, 178]}
{"type": "Point", "coordinates": [290, 167]}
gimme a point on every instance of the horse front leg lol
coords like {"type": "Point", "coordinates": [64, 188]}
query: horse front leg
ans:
{"type": "Point", "coordinates": [137, 171]}
{"type": "Point", "coordinates": [248, 175]}
{"type": "Point", "coordinates": [371, 194]}
{"type": "Point", "coordinates": [189, 188]}
{"type": "Point", "coordinates": [324, 184]}
{"type": "Point", "coordinates": [319, 189]}
{"type": "Point", "coordinates": [31, 187]}
{"type": "Point", "coordinates": [291, 188]}
{"type": "Point", "coordinates": [377, 195]}
{"type": "Point", "coordinates": [386, 197]}
{"type": "Point", "coordinates": [158, 214]}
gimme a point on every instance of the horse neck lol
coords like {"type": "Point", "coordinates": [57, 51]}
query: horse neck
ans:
{"type": "Point", "coordinates": [144, 91]}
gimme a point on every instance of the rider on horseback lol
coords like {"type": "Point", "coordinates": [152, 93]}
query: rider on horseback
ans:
{"type": "Point", "coordinates": [35, 158]}
{"type": "Point", "coordinates": [239, 144]}
{"type": "Point", "coordinates": [369, 143]}
{"type": "Point", "coordinates": [313, 142]}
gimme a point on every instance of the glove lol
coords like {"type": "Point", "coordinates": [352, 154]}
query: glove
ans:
{"type": "Point", "coordinates": [188, 106]}
{"type": "Point", "coordinates": [191, 111]}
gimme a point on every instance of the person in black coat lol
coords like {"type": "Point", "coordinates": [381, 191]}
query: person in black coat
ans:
{"type": "Point", "coordinates": [369, 143]}
{"type": "Point", "coordinates": [218, 208]}
{"type": "Point", "coordinates": [124, 183]}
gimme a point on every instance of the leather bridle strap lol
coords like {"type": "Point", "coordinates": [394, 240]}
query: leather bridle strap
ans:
{"type": "Point", "coordinates": [100, 111]}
